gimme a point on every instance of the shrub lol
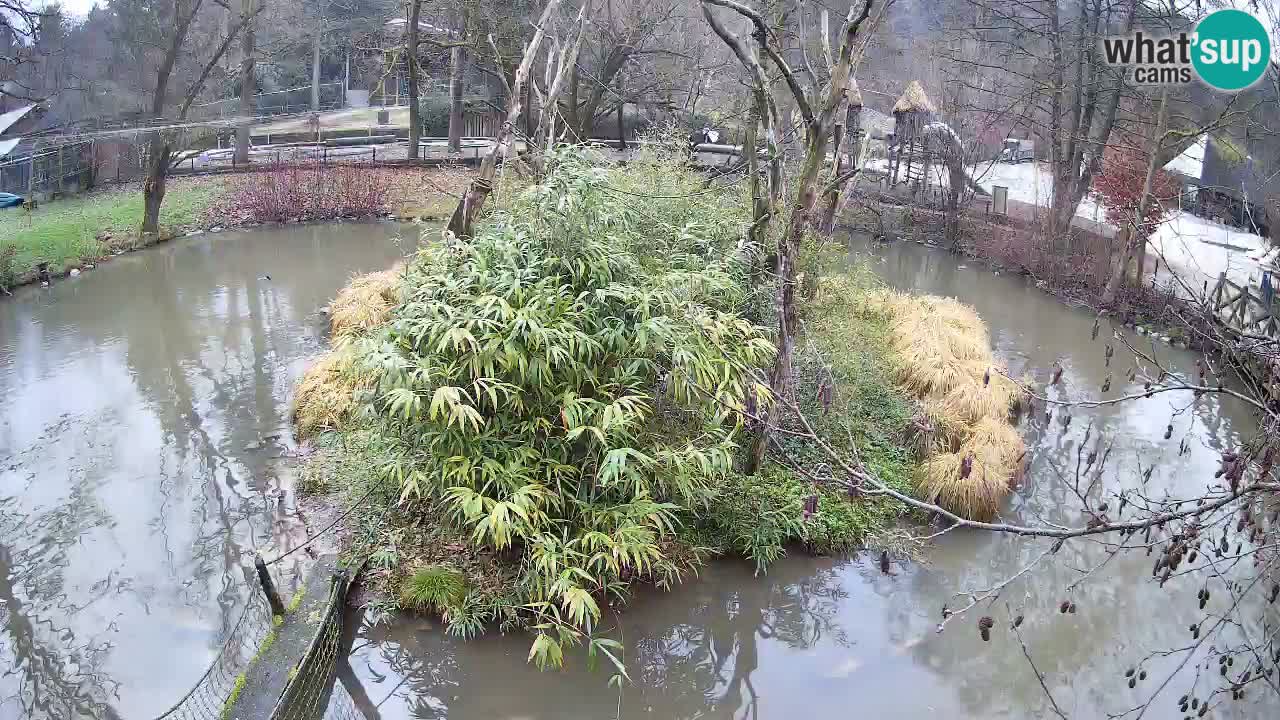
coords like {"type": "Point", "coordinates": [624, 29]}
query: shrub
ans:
{"type": "Point", "coordinates": [1120, 184]}
{"type": "Point", "coordinates": [560, 382]}
{"type": "Point", "coordinates": [299, 191]}
{"type": "Point", "coordinates": [435, 588]}
{"type": "Point", "coordinates": [7, 277]}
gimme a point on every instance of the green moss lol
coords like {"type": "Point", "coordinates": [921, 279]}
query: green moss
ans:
{"type": "Point", "coordinates": [1231, 152]}
{"type": "Point", "coordinates": [243, 677]}
{"type": "Point", "coordinates": [236, 689]}
{"type": "Point", "coordinates": [269, 640]}
{"type": "Point", "coordinates": [296, 600]}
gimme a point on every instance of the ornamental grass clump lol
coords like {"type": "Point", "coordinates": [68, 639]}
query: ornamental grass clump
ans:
{"type": "Point", "coordinates": [366, 302]}
{"type": "Point", "coordinates": [328, 391]}
{"type": "Point", "coordinates": [945, 362]}
{"type": "Point", "coordinates": [563, 383]}
{"type": "Point", "coordinates": [434, 588]}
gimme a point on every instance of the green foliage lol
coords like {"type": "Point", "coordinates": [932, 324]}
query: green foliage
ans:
{"type": "Point", "coordinates": [435, 588]}
{"type": "Point", "coordinates": [758, 516]}
{"type": "Point", "coordinates": [561, 384]}
{"type": "Point", "coordinates": [845, 344]}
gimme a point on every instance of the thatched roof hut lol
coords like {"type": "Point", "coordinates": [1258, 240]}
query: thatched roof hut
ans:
{"type": "Point", "coordinates": [914, 100]}
{"type": "Point", "coordinates": [912, 112]}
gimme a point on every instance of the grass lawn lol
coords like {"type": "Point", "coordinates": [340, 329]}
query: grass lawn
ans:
{"type": "Point", "coordinates": [64, 232]}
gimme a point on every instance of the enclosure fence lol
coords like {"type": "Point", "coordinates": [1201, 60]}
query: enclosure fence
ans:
{"type": "Point", "coordinates": [48, 170]}
{"type": "Point", "coordinates": [289, 101]}
{"type": "Point", "coordinates": [208, 698]}
{"type": "Point", "coordinates": [309, 695]}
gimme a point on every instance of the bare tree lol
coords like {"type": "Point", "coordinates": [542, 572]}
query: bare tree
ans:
{"type": "Point", "coordinates": [818, 129]}
{"type": "Point", "coordinates": [561, 63]}
{"type": "Point", "coordinates": [1039, 61]}
{"type": "Point", "coordinates": [457, 75]}
{"type": "Point", "coordinates": [19, 42]}
{"type": "Point", "coordinates": [173, 25]}
{"type": "Point", "coordinates": [248, 80]}
{"type": "Point", "coordinates": [411, 30]}
{"type": "Point", "coordinates": [462, 223]}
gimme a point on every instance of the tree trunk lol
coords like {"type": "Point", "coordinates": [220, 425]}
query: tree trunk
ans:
{"type": "Point", "coordinates": [828, 223]}
{"type": "Point", "coordinates": [1137, 235]}
{"type": "Point", "coordinates": [411, 47]}
{"type": "Point", "coordinates": [956, 178]}
{"type": "Point", "coordinates": [819, 128]}
{"type": "Point", "coordinates": [759, 208]}
{"type": "Point", "coordinates": [456, 59]}
{"type": "Point", "coordinates": [530, 122]}
{"type": "Point", "coordinates": [464, 215]}
{"type": "Point", "coordinates": [247, 84]}
{"type": "Point", "coordinates": [153, 186]}
{"type": "Point", "coordinates": [788, 251]}
{"type": "Point", "coordinates": [622, 126]}
{"type": "Point", "coordinates": [315, 66]}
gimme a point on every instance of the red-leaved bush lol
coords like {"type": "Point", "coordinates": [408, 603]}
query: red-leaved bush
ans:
{"type": "Point", "coordinates": [304, 192]}
{"type": "Point", "coordinates": [1119, 185]}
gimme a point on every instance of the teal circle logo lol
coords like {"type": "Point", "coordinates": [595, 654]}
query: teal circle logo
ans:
{"type": "Point", "coordinates": [1232, 50]}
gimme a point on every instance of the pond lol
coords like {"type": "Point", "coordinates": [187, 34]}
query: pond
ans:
{"type": "Point", "coordinates": [831, 637]}
{"type": "Point", "coordinates": [145, 433]}
{"type": "Point", "coordinates": [142, 435]}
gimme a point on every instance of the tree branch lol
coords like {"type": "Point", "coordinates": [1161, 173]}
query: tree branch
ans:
{"type": "Point", "coordinates": [764, 35]}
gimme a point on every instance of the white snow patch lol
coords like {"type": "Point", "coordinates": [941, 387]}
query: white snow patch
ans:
{"type": "Point", "coordinates": [1191, 161]}
{"type": "Point", "coordinates": [1031, 183]}
{"type": "Point", "coordinates": [1198, 250]}
{"type": "Point", "coordinates": [13, 116]}
{"type": "Point", "coordinates": [1194, 248]}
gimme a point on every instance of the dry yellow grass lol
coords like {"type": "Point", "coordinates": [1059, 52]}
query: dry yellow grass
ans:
{"type": "Point", "coordinates": [326, 394]}
{"type": "Point", "coordinates": [913, 99]}
{"type": "Point", "coordinates": [945, 362]}
{"type": "Point", "coordinates": [366, 302]}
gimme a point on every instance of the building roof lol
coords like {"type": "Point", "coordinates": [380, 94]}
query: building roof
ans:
{"type": "Point", "coordinates": [913, 100]}
{"type": "Point", "coordinates": [7, 120]}
{"type": "Point", "coordinates": [7, 146]}
{"type": "Point", "coordinates": [1190, 163]}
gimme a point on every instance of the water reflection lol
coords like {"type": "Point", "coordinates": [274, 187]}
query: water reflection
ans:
{"type": "Point", "coordinates": [146, 408]}
{"type": "Point", "coordinates": [832, 638]}
{"type": "Point", "coordinates": [697, 653]}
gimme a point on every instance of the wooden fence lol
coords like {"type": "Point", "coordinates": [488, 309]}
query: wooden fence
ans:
{"type": "Point", "coordinates": [1246, 309]}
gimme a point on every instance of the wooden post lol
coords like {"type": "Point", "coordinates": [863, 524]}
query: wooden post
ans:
{"type": "Point", "coordinates": [268, 587]}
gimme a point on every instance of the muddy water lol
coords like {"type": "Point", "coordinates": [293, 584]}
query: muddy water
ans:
{"type": "Point", "coordinates": [836, 638]}
{"type": "Point", "coordinates": [144, 418]}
